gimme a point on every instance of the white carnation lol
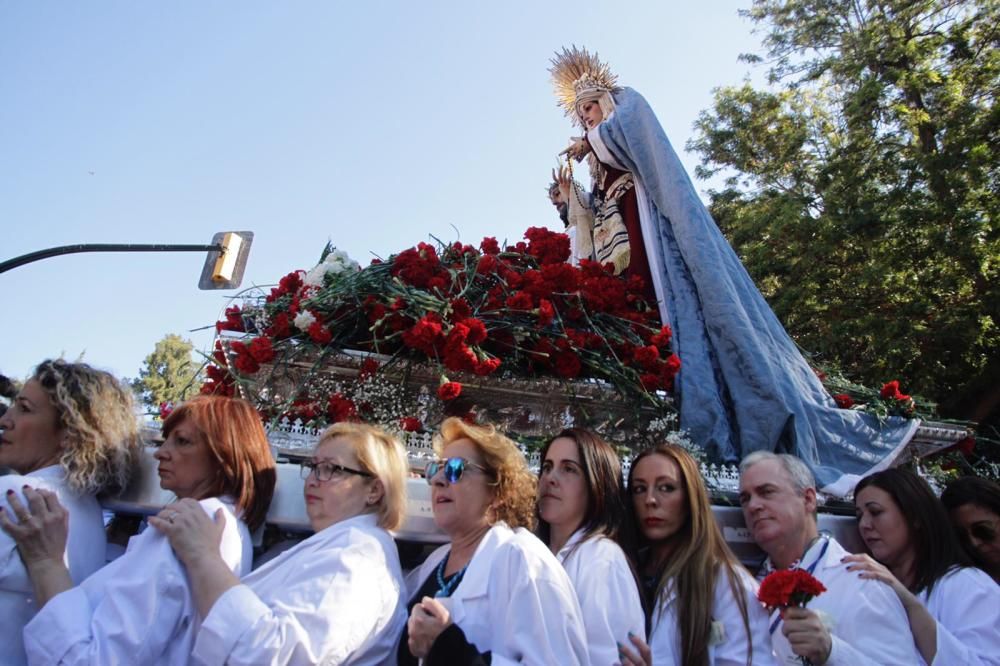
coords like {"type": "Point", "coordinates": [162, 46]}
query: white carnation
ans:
{"type": "Point", "coordinates": [315, 277]}
{"type": "Point", "coordinates": [304, 320]}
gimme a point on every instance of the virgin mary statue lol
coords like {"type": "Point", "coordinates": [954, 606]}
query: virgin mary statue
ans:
{"type": "Point", "coordinates": [743, 385]}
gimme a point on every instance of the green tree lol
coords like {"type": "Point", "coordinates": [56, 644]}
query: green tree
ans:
{"type": "Point", "coordinates": [169, 374]}
{"type": "Point", "coordinates": [862, 187]}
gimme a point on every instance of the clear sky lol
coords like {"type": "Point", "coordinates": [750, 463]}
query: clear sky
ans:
{"type": "Point", "coordinates": [373, 125]}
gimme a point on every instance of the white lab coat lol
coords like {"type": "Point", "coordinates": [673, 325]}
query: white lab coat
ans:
{"type": "Point", "coordinates": [335, 598]}
{"type": "Point", "coordinates": [85, 547]}
{"type": "Point", "coordinates": [867, 621]}
{"type": "Point", "coordinates": [136, 610]}
{"type": "Point", "coordinates": [607, 592]}
{"type": "Point", "coordinates": [728, 639]}
{"type": "Point", "coordinates": [515, 600]}
{"type": "Point", "coordinates": [966, 605]}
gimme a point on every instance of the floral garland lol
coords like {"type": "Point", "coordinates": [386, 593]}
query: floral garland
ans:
{"type": "Point", "coordinates": [517, 311]}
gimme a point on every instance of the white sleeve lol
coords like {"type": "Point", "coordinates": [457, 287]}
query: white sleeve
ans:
{"type": "Point", "coordinates": [609, 600]}
{"type": "Point", "coordinates": [876, 632]}
{"type": "Point", "coordinates": [732, 650]}
{"type": "Point", "coordinates": [968, 620]}
{"type": "Point", "coordinates": [13, 575]}
{"type": "Point", "coordinates": [126, 613]}
{"type": "Point", "coordinates": [582, 219]}
{"type": "Point", "coordinates": [134, 610]}
{"type": "Point", "coordinates": [541, 622]}
{"type": "Point", "coordinates": [328, 607]}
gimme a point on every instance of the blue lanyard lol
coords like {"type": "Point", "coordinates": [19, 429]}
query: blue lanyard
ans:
{"type": "Point", "coordinates": [811, 568]}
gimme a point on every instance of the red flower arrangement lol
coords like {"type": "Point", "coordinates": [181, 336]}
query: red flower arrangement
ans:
{"type": "Point", "coordinates": [517, 309]}
{"type": "Point", "coordinates": [786, 588]}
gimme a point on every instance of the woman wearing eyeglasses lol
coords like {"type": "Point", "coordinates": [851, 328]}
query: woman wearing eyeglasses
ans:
{"type": "Point", "coordinates": [495, 594]}
{"type": "Point", "coordinates": [953, 608]}
{"type": "Point", "coordinates": [335, 597]}
{"type": "Point", "coordinates": [583, 518]}
{"type": "Point", "coordinates": [974, 506]}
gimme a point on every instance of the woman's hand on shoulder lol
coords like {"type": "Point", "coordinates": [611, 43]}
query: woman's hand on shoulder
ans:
{"type": "Point", "coordinates": [192, 534]}
{"type": "Point", "coordinates": [637, 654]}
{"type": "Point", "coordinates": [39, 529]}
{"type": "Point", "coordinates": [428, 619]}
{"type": "Point", "coordinates": [871, 569]}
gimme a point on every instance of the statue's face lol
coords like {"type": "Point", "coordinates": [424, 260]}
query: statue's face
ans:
{"type": "Point", "coordinates": [591, 114]}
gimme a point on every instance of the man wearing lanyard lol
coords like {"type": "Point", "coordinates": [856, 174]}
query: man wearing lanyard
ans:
{"type": "Point", "coordinates": [855, 621]}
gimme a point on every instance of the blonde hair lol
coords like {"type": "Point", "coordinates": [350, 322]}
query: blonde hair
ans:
{"type": "Point", "coordinates": [515, 487]}
{"type": "Point", "coordinates": [381, 455]}
{"type": "Point", "coordinates": [97, 416]}
{"type": "Point", "coordinates": [701, 556]}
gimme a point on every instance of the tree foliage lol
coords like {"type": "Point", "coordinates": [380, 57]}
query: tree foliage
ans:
{"type": "Point", "coordinates": [169, 374]}
{"type": "Point", "coordinates": [861, 187]}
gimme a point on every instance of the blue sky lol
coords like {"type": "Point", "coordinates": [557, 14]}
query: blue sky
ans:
{"type": "Point", "coordinates": [373, 125]}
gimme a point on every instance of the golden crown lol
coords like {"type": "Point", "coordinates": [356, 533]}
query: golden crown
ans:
{"type": "Point", "coordinates": [576, 72]}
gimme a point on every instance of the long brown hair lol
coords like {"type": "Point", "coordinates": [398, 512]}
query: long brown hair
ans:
{"type": "Point", "coordinates": [695, 565]}
{"type": "Point", "coordinates": [606, 514]}
{"type": "Point", "coordinates": [935, 546]}
{"type": "Point", "coordinates": [234, 434]}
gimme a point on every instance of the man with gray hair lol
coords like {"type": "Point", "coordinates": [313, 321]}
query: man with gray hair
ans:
{"type": "Point", "coordinates": [855, 621]}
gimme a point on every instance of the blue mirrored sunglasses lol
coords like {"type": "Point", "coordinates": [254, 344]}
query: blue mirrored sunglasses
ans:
{"type": "Point", "coordinates": [453, 469]}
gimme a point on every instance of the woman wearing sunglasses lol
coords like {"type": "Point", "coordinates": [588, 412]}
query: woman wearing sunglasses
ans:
{"type": "Point", "coordinates": [335, 597]}
{"type": "Point", "coordinates": [495, 594]}
{"type": "Point", "coordinates": [974, 506]}
{"type": "Point", "coordinates": [583, 518]}
{"type": "Point", "coordinates": [953, 608]}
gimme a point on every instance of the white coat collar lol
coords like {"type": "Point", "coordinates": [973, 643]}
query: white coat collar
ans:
{"type": "Point", "coordinates": [569, 546]}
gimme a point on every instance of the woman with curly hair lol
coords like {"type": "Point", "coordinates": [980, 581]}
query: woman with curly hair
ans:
{"type": "Point", "coordinates": [71, 430]}
{"type": "Point", "coordinates": [495, 594]}
{"type": "Point", "coordinates": [139, 608]}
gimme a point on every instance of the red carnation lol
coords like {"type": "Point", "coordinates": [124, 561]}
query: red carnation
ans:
{"type": "Point", "coordinates": [477, 330]}
{"type": "Point", "coordinates": [449, 390]}
{"type": "Point", "coordinates": [890, 391]}
{"type": "Point", "coordinates": [843, 401]}
{"type": "Point", "coordinates": [261, 350]}
{"type": "Point", "coordinates": [789, 587]}
{"type": "Point", "coordinates": [246, 364]}
{"type": "Point", "coordinates": [410, 424]}
{"type": "Point", "coordinates": [520, 301]}
{"type": "Point", "coordinates": [368, 368]}
{"type": "Point", "coordinates": [487, 366]}
{"type": "Point", "coordinates": [646, 357]}
{"type": "Point", "coordinates": [490, 245]}
{"type": "Point", "coordinates": [546, 313]}
{"type": "Point", "coordinates": [319, 333]}
{"type": "Point", "coordinates": [662, 339]}
{"type": "Point", "coordinates": [165, 409]}
{"type": "Point", "coordinates": [460, 309]}
{"type": "Point", "coordinates": [566, 364]}
{"type": "Point", "coordinates": [487, 264]}
{"type": "Point", "coordinates": [281, 326]}
{"type": "Point", "coordinates": [339, 408]}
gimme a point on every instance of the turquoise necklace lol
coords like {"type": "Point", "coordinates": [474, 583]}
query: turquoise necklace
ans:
{"type": "Point", "coordinates": [445, 589]}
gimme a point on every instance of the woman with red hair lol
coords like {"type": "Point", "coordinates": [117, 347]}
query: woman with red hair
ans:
{"type": "Point", "coordinates": [138, 609]}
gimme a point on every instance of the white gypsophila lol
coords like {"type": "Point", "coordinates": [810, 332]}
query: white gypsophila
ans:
{"type": "Point", "coordinates": [304, 320]}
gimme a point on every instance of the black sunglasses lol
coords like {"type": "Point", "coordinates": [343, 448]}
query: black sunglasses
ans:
{"type": "Point", "coordinates": [325, 470]}
{"type": "Point", "coordinates": [453, 469]}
